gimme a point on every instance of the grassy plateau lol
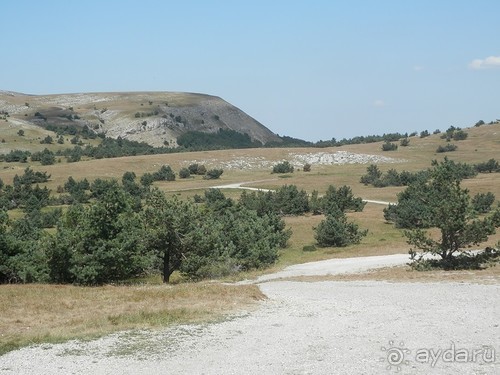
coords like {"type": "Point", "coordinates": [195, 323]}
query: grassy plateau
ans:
{"type": "Point", "coordinates": [37, 313]}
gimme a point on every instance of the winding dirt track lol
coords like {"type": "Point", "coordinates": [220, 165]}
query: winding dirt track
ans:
{"type": "Point", "coordinates": [328, 327]}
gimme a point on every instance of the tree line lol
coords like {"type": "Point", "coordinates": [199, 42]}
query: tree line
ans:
{"type": "Point", "coordinates": [113, 230]}
{"type": "Point", "coordinates": [376, 178]}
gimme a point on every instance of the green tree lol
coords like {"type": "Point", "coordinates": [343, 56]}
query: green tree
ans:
{"type": "Point", "coordinates": [130, 186]}
{"type": "Point", "coordinates": [198, 169]}
{"type": "Point", "coordinates": [481, 202]}
{"type": "Point", "coordinates": [448, 208]}
{"type": "Point", "coordinates": [337, 231]}
{"type": "Point", "coordinates": [490, 166]}
{"type": "Point", "coordinates": [238, 240]}
{"type": "Point", "coordinates": [424, 133]}
{"type": "Point", "coordinates": [98, 243]}
{"type": "Point", "coordinates": [389, 146]}
{"type": "Point", "coordinates": [213, 174]}
{"type": "Point", "coordinates": [448, 148]}
{"type": "Point", "coordinates": [459, 135]}
{"type": "Point", "coordinates": [341, 199]}
{"type": "Point", "coordinates": [47, 140]}
{"type": "Point", "coordinates": [373, 174]}
{"type": "Point", "coordinates": [147, 179]}
{"type": "Point", "coordinates": [165, 173]}
{"type": "Point", "coordinates": [21, 259]}
{"type": "Point", "coordinates": [283, 167]}
{"type": "Point", "coordinates": [289, 200]}
{"type": "Point", "coordinates": [184, 173]}
{"type": "Point", "coordinates": [167, 224]}
{"type": "Point", "coordinates": [215, 200]}
{"type": "Point", "coordinates": [75, 154]}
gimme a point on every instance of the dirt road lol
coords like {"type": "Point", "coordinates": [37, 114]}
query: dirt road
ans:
{"type": "Point", "coordinates": [328, 327]}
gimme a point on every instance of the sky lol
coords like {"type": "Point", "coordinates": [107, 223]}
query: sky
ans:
{"type": "Point", "coordinates": [314, 70]}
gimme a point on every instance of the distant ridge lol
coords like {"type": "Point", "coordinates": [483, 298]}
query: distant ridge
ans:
{"type": "Point", "coordinates": [157, 118]}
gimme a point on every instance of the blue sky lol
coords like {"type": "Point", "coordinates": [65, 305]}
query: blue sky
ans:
{"type": "Point", "coordinates": [308, 69]}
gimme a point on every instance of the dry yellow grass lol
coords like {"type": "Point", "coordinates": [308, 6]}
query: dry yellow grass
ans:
{"type": "Point", "coordinates": [41, 313]}
{"type": "Point", "coordinates": [51, 313]}
{"type": "Point", "coordinates": [482, 144]}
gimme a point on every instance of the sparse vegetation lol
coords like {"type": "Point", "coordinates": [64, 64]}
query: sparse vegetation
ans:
{"type": "Point", "coordinates": [29, 252]}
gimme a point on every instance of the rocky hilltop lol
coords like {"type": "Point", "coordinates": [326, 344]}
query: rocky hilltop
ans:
{"type": "Point", "coordinates": [157, 118]}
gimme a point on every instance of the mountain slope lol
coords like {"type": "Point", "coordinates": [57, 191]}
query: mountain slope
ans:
{"type": "Point", "coordinates": [157, 118]}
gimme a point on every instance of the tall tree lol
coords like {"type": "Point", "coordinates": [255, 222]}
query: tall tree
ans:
{"type": "Point", "coordinates": [167, 223]}
{"type": "Point", "coordinates": [98, 243]}
{"type": "Point", "coordinates": [447, 207]}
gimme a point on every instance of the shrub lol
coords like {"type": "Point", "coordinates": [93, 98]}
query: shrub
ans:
{"type": "Point", "coordinates": [213, 174]}
{"type": "Point", "coordinates": [47, 140]}
{"type": "Point", "coordinates": [165, 173]}
{"type": "Point", "coordinates": [336, 231]}
{"type": "Point", "coordinates": [288, 200]}
{"type": "Point", "coordinates": [404, 142]}
{"type": "Point", "coordinates": [147, 179]}
{"type": "Point", "coordinates": [198, 169]}
{"type": "Point", "coordinates": [373, 174]}
{"type": "Point", "coordinates": [184, 173]}
{"type": "Point", "coordinates": [459, 135]}
{"type": "Point", "coordinates": [20, 132]}
{"type": "Point", "coordinates": [47, 157]}
{"type": "Point", "coordinates": [309, 248]}
{"type": "Point", "coordinates": [283, 167]}
{"type": "Point", "coordinates": [341, 199]}
{"type": "Point", "coordinates": [481, 203]}
{"type": "Point", "coordinates": [448, 148]}
{"type": "Point", "coordinates": [388, 146]}
{"type": "Point", "coordinates": [16, 156]}
{"type": "Point", "coordinates": [307, 167]}
{"type": "Point", "coordinates": [424, 134]}
{"type": "Point", "coordinates": [490, 166]}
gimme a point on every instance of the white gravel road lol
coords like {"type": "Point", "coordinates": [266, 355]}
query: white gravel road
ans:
{"type": "Point", "coordinates": [328, 327]}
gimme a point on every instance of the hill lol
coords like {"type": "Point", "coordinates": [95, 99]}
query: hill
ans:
{"type": "Point", "coordinates": [157, 118]}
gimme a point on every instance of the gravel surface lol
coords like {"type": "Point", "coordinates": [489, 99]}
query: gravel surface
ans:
{"type": "Point", "coordinates": [362, 327]}
{"type": "Point", "coordinates": [299, 159]}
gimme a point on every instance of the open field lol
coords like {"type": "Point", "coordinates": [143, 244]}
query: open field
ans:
{"type": "Point", "coordinates": [31, 314]}
{"type": "Point", "coordinates": [249, 165]}
{"type": "Point", "coordinates": [46, 313]}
